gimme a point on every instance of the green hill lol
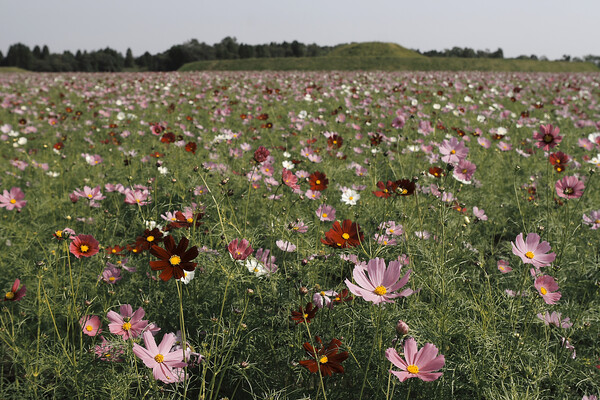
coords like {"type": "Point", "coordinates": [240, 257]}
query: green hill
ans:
{"type": "Point", "coordinates": [11, 69]}
{"type": "Point", "coordinates": [421, 63]}
{"type": "Point", "coordinates": [373, 49]}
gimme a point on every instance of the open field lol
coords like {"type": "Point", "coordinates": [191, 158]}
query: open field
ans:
{"type": "Point", "coordinates": [260, 235]}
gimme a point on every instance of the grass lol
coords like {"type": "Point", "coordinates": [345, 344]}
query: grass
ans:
{"type": "Point", "coordinates": [361, 129]}
{"type": "Point", "coordinates": [11, 69]}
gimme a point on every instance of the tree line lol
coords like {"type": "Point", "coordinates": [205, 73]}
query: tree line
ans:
{"type": "Point", "coordinates": [109, 60]}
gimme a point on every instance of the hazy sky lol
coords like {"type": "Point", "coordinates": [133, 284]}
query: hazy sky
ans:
{"type": "Point", "coordinates": [542, 27]}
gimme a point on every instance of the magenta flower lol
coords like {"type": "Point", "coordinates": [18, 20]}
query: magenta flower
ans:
{"type": "Point", "coordinates": [141, 197]}
{"type": "Point", "coordinates": [15, 294]}
{"type": "Point", "coordinates": [240, 250]}
{"type": "Point", "coordinates": [91, 194]}
{"type": "Point", "coordinates": [569, 187]}
{"type": "Point", "coordinates": [289, 179]}
{"type": "Point", "coordinates": [547, 288]}
{"type": "Point", "coordinates": [90, 325]}
{"type": "Point", "coordinates": [503, 266]}
{"type": "Point", "coordinates": [13, 199]}
{"type": "Point", "coordinates": [325, 213]}
{"type": "Point", "coordinates": [111, 274]}
{"type": "Point", "coordinates": [453, 151]}
{"type": "Point", "coordinates": [547, 137]}
{"type": "Point", "coordinates": [418, 364]}
{"type": "Point", "coordinates": [127, 324]}
{"type": "Point", "coordinates": [532, 251]}
{"type": "Point", "coordinates": [555, 319]}
{"type": "Point", "coordinates": [166, 364]}
{"type": "Point", "coordinates": [382, 284]}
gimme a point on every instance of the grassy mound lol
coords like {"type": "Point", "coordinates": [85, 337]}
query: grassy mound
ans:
{"type": "Point", "coordinates": [373, 49]}
{"type": "Point", "coordinates": [11, 69]}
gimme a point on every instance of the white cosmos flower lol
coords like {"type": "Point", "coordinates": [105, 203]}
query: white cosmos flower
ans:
{"type": "Point", "coordinates": [350, 197]}
{"type": "Point", "coordinates": [288, 164]}
{"type": "Point", "coordinates": [187, 276]}
{"type": "Point", "coordinates": [255, 267]}
{"type": "Point", "coordinates": [163, 170]}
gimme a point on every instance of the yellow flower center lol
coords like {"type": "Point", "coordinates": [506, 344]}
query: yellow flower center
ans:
{"type": "Point", "coordinates": [9, 295]}
{"type": "Point", "coordinates": [597, 221]}
{"type": "Point", "coordinates": [351, 198]}
{"type": "Point", "coordinates": [543, 290]}
{"type": "Point", "coordinates": [58, 233]}
{"type": "Point", "coordinates": [190, 220]}
{"type": "Point", "coordinates": [413, 369]}
{"type": "Point", "coordinates": [318, 182]}
{"type": "Point", "coordinates": [345, 236]}
{"type": "Point", "coordinates": [90, 196]}
{"type": "Point", "coordinates": [112, 279]}
{"type": "Point", "coordinates": [13, 201]}
{"type": "Point", "coordinates": [529, 255]}
{"type": "Point", "coordinates": [159, 358]}
{"type": "Point", "coordinates": [324, 215]}
{"type": "Point", "coordinates": [380, 290]}
{"type": "Point", "coordinates": [126, 326]}
{"type": "Point", "coordinates": [84, 248]}
{"type": "Point", "coordinates": [452, 151]}
{"type": "Point", "coordinates": [323, 360]}
{"type": "Point", "coordinates": [175, 260]}
{"type": "Point", "coordinates": [404, 191]}
{"type": "Point", "coordinates": [548, 138]}
{"type": "Point", "coordinates": [150, 238]}
{"type": "Point", "coordinates": [89, 328]}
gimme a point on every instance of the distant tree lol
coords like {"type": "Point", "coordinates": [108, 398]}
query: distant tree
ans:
{"type": "Point", "coordinates": [37, 52]}
{"type": "Point", "coordinates": [1, 58]}
{"type": "Point", "coordinates": [227, 49]}
{"type": "Point", "coordinates": [497, 54]}
{"type": "Point", "coordinates": [20, 56]}
{"type": "Point", "coordinates": [45, 52]}
{"type": "Point", "coordinates": [262, 51]}
{"type": "Point", "coordinates": [566, 57]}
{"type": "Point", "coordinates": [592, 59]}
{"type": "Point", "coordinates": [298, 49]}
{"type": "Point", "coordinates": [129, 61]}
{"type": "Point", "coordinates": [246, 51]}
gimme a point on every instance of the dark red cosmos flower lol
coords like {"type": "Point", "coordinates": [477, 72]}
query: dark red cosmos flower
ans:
{"type": "Point", "coordinates": [348, 234]}
{"type": "Point", "coordinates": [318, 181]}
{"type": "Point", "coordinates": [168, 137]}
{"type": "Point", "coordinates": [385, 190]}
{"type": "Point", "coordinates": [15, 294]}
{"type": "Point", "coordinates": [559, 160]}
{"type": "Point", "coordinates": [342, 297]}
{"type": "Point", "coordinates": [134, 248]}
{"type": "Point", "coordinates": [335, 141]}
{"type": "Point", "coordinates": [115, 251]}
{"type": "Point", "coordinates": [156, 154]}
{"type": "Point", "coordinates": [58, 145]}
{"type": "Point", "coordinates": [191, 147]}
{"type": "Point", "coordinates": [304, 314]}
{"type": "Point", "coordinates": [261, 154]}
{"type": "Point", "coordinates": [148, 239]}
{"type": "Point", "coordinates": [436, 172]}
{"type": "Point", "coordinates": [183, 221]}
{"type": "Point", "coordinates": [405, 187]}
{"type": "Point", "coordinates": [173, 259]}
{"type": "Point", "coordinates": [326, 359]}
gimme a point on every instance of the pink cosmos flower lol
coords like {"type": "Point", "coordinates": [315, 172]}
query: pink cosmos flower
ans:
{"type": "Point", "coordinates": [547, 137]}
{"type": "Point", "coordinates": [289, 179]}
{"type": "Point", "coordinates": [479, 214]}
{"type": "Point", "coordinates": [141, 197]}
{"type": "Point", "coordinates": [593, 219]}
{"type": "Point", "coordinates": [166, 364]}
{"type": "Point", "coordinates": [111, 274]}
{"type": "Point", "coordinates": [15, 294]}
{"type": "Point", "coordinates": [325, 213]}
{"type": "Point", "coordinates": [92, 195]}
{"type": "Point", "coordinates": [240, 250]}
{"type": "Point", "coordinates": [464, 170]}
{"type": "Point", "coordinates": [484, 142]}
{"type": "Point", "coordinates": [90, 325]}
{"type": "Point", "coordinates": [13, 199]}
{"type": "Point", "coordinates": [453, 151]}
{"type": "Point", "coordinates": [286, 246]}
{"type": "Point", "coordinates": [569, 187]}
{"type": "Point", "coordinates": [418, 364]}
{"type": "Point", "coordinates": [108, 351]}
{"type": "Point", "coordinates": [382, 284]}
{"type": "Point", "coordinates": [555, 319]}
{"type": "Point", "coordinates": [532, 251]}
{"type": "Point", "coordinates": [503, 266]}
{"type": "Point", "coordinates": [128, 324]}
{"type": "Point", "coordinates": [84, 246]}
{"type": "Point", "coordinates": [547, 288]}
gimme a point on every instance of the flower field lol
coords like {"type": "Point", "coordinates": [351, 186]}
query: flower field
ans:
{"type": "Point", "coordinates": [300, 235]}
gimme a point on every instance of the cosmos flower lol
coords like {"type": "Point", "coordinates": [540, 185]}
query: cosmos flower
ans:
{"type": "Point", "coordinates": [127, 324]}
{"type": "Point", "coordinates": [325, 213]}
{"type": "Point", "coordinates": [173, 259]}
{"type": "Point", "coordinates": [318, 181]}
{"type": "Point", "coordinates": [90, 325]}
{"type": "Point", "coordinates": [240, 250]}
{"type": "Point", "coordinates": [547, 137]}
{"type": "Point", "coordinates": [304, 314]}
{"type": "Point", "coordinates": [555, 319]}
{"type": "Point", "coordinates": [289, 179]}
{"type": "Point", "coordinates": [326, 359]}
{"type": "Point", "coordinates": [417, 364]}
{"type": "Point", "coordinates": [463, 171]}
{"type": "Point", "coordinates": [593, 219]}
{"type": "Point", "coordinates": [166, 364]}
{"type": "Point", "coordinates": [547, 288]}
{"type": "Point", "coordinates": [532, 251]}
{"type": "Point", "coordinates": [84, 246]}
{"type": "Point", "coordinates": [559, 160]}
{"type": "Point", "coordinates": [503, 266]}
{"type": "Point", "coordinates": [13, 199]}
{"type": "Point", "coordinates": [569, 187]}
{"type": "Point", "coordinates": [382, 283]}
{"type": "Point", "coordinates": [350, 197]}
{"type": "Point", "coordinates": [15, 294]}
{"type": "Point", "coordinates": [348, 234]}
{"type": "Point", "coordinates": [453, 151]}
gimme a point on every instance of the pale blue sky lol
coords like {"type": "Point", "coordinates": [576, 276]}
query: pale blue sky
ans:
{"type": "Point", "coordinates": [542, 27]}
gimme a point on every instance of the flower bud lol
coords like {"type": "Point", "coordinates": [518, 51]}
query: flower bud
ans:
{"type": "Point", "coordinates": [401, 328]}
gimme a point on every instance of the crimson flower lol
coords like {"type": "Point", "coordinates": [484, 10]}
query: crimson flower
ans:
{"type": "Point", "coordinates": [547, 137]}
{"type": "Point", "coordinates": [84, 246]}
{"type": "Point", "coordinates": [173, 259]}
{"type": "Point", "coordinates": [304, 314]}
{"type": "Point", "coordinates": [326, 359]}
{"type": "Point", "coordinates": [318, 181]}
{"type": "Point", "coordinates": [191, 147]}
{"type": "Point", "coordinates": [261, 154]}
{"type": "Point", "coordinates": [559, 160]}
{"type": "Point", "coordinates": [404, 187]}
{"type": "Point", "coordinates": [385, 189]}
{"type": "Point", "coordinates": [335, 141]}
{"type": "Point", "coordinates": [15, 294]}
{"type": "Point", "coordinates": [348, 234]}
{"type": "Point", "coordinates": [148, 239]}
